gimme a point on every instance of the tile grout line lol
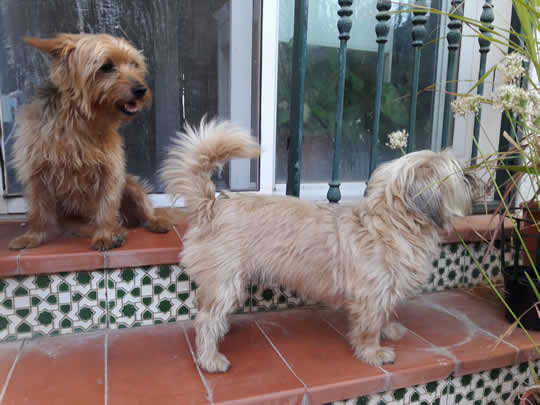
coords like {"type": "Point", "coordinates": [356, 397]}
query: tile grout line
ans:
{"type": "Point", "coordinates": [106, 361]}
{"type": "Point", "coordinates": [283, 359]}
{"type": "Point", "coordinates": [473, 324]}
{"type": "Point", "coordinates": [209, 393]}
{"type": "Point", "coordinates": [107, 315]}
{"type": "Point", "coordinates": [441, 350]}
{"type": "Point", "coordinates": [18, 270]}
{"type": "Point", "coordinates": [178, 234]}
{"type": "Point", "coordinates": [105, 259]}
{"type": "Point", "coordinates": [387, 374]}
{"type": "Point", "coordinates": [516, 348]}
{"type": "Point", "coordinates": [11, 370]}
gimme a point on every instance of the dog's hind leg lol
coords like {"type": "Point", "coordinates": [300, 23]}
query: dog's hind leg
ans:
{"type": "Point", "coordinates": [137, 209]}
{"type": "Point", "coordinates": [41, 215]}
{"type": "Point", "coordinates": [211, 324]}
{"type": "Point", "coordinates": [366, 324]}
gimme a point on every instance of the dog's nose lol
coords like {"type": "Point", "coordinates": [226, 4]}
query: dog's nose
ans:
{"type": "Point", "coordinates": [138, 91]}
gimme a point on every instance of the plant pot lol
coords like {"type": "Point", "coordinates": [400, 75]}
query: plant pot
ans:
{"type": "Point", "coordinates": [528, 398]}
{"type": "Point", "coordinates": [529, 231]}
{"type": "Point", "coordinates": [520, 296]}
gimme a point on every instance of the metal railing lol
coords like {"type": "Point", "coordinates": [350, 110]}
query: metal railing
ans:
{"type": "Point", "coordinates": [382, 30]}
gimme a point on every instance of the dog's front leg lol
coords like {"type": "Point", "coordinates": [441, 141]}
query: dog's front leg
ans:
{"type": "Point", "coordinates": [109, 234]}
{"type": "Point", "coordinates": [41, 214]}
{"type": "Point", "coordinates": [366, 324]}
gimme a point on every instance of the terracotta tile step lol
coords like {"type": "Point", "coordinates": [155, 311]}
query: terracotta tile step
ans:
{"type": "Point", "coordinates": [68, 253]}
{"type": "Point", "coordinates": [277, 358]}
{"type": "Point", "coordinates": [63, 253]}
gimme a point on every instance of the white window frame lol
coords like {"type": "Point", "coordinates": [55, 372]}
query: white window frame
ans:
{"type": "Point", "coordinates": [468, 73]}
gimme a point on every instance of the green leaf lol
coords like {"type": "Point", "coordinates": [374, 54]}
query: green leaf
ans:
{"type": "Point", "coordinates": [533, 285]}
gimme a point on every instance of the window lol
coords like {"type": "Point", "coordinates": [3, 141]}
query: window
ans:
{"type": "Point", "coordinates": [321, 88]}
{"type": "Point", "coordinates": [233, 58]}
{"type": "Point", "coordinates": [203, 58]}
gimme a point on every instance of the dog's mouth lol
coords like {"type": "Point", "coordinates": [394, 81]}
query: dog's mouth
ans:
{"type": "Point", "coordinates": [130, 108]}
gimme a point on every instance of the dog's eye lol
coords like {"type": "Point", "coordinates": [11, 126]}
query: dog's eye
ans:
{"type": "Point", "coordinates": [135, 65]}
{"type": "Point", "coordinates": [107, 68]}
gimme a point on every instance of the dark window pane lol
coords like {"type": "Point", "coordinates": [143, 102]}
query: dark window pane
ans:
{"type": "Point", "coordinates": [182, 41]}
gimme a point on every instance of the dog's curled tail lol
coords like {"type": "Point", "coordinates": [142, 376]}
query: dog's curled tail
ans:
{"type": "Point", "coordinates": [195, 153]}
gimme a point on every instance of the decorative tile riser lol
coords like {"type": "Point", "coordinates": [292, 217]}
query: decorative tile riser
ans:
{"type": "Point", "coordinates": [81, 301]}
{"type": "Point", "coordinates": [492, 387]}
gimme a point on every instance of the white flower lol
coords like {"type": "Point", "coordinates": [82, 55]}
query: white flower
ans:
{"type": "Point", "coordinates": [511, 67]}
{"type": "Point", "coordinates": [466, 104]}
{"type": "Point", "coordinates": [397, 139]}
{"type": "Point", "coordinates": [511, 97]}
{"type": "Point", "coordinates": [532, 113]}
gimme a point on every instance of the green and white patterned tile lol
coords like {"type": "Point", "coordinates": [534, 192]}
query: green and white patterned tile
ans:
{"type": "Point", "coordinates": [491, 387]}
{"type": "Point", "coordinates": [424, 394]}
{"type": "Point", "coordinates": [273, 297]}
{"type": "Point", "coordinates": [472, 275]}
{"type": "Point", "coordinates": [515, 380]}
{"type": "Point", "coordinates": [447, 268]}
{"type": "Point", "coordinates": [288, 299]}
{"type": "Point", "coordinates": [263, 297]}
{"type": "Point", "coordinates": [149, 295]}
{"type": "Point", "coordinates": [478, 389]}
{"type": "Point", "coordinates": [51, 304]}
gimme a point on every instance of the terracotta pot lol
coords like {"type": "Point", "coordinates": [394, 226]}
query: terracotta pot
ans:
{"type": "Point", "coordinates": [527, 398]}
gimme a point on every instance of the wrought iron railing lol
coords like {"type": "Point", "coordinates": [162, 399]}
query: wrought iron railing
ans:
{"type": "Point", "coordinates": [382, 30]}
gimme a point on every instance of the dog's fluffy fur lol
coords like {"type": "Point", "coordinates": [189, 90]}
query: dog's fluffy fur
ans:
{"type": "Point", "coordinates": [68, 153]}
{"type": "Point", "coordinates": [364, 258]}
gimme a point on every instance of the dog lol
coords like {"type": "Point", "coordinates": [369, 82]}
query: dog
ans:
{"type": "Point", "coordinates": [365, 258]}
{"type": "Point", "coordinates": [68, 154]}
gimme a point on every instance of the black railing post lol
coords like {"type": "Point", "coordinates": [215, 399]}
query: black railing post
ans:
{"type": "Point", "coordinates": [294, 167]}
{"type": "Point", "coordinates": [487, 17]}
{"type": "Point", "coordinates": [381, 29]}
{"type": "Point", "coordinates": [454, 41]}
{"type": "Point", "coordinates": [344, 27]}
{"type": "Point", "coordinates": [418, 34]}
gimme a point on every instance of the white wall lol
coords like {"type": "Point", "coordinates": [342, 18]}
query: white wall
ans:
{"type": "Point", "coordinates": [468, 76]}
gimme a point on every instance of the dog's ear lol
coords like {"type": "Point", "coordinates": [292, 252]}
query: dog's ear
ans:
{"type": "Point", "coordinates": [423, 194]}
{"type": "Point", "coordinates": [56, 47]}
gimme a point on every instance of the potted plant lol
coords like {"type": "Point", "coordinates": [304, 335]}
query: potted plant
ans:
{"type": "Point", "coordinates": [518, 97]}
{"type": "Point", "coordinates": [520, 104]}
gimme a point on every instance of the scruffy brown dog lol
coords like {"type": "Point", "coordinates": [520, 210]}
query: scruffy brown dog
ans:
{"type": "Point", "coordinates": [68, 153]}
{"type": "Point", "coordinates": [364, 258]}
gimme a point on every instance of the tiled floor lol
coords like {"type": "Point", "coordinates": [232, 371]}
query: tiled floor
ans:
{"type": "Point", "coordinates": [281, 357]}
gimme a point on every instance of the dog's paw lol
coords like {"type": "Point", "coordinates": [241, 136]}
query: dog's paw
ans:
{"type": "Point", "coordinates": [158, 225]}
{"type": "Point", "coordinates": [394, 330]}
{"type": "Point", "coordinates": [376, 356]}
{"type": "Point", "coordinates": [105, 240]}
{"type": "Point", "coordinates": [217, 363]}
{"type": "Point", "coordinates": [25, 241]}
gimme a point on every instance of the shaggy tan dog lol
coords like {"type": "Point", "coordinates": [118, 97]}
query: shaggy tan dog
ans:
{"type": "Point", "coordinates": [68, 153]}
{"type": "Point", "coordinates": [364, 258]}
